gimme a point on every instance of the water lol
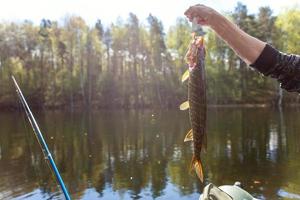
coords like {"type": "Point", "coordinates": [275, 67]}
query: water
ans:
{"type": "Point", "coordinates": [141, 154]}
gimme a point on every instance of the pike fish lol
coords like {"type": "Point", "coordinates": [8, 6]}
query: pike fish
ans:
{"type": "Point", "coordinates": [196, 102]}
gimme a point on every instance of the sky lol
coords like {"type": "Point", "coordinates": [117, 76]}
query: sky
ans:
{"type": "Point", "coordinates": [109, 10]}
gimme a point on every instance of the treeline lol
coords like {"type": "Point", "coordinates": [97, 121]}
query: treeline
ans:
{"type": "Point", "coordinates": [133, 64]}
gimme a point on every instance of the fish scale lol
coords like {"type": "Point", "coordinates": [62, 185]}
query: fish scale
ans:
{"type": "Point", "coordinates": [196, 101]}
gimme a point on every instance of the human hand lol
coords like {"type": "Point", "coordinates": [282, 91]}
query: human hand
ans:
{"type": "Point", "coordinates": [202, 14]}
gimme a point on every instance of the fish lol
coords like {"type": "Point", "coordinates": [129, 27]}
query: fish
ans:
{"type": "Point", "coordinates": [196, 103]}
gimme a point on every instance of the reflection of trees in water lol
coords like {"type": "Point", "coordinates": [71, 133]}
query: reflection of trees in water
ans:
{"type": "Point", "coordinates": [20, 162]}
{"type": "Point", "coordinates": [257, 142]}
{"type": "Point", "coordinates": [131, 152]}
{"type": "Point", "coordinates": [292, 136]}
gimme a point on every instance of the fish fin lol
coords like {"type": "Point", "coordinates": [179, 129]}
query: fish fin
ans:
{"type": "Point", "coordinates": [185, 76]}
{"type": "Point", "coordinates": [197, 166]}
{"type": "Point", "coordinates": [189, 136]}
{"type": "Point", "coordinates": [200, 41]}
{"type": "Point", "coordinates": [184, 106]}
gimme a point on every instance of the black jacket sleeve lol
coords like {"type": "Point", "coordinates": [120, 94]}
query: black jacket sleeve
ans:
{"type": "Point", "coordinates": [283, 67]}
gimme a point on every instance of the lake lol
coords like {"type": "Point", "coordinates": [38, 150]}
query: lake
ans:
{"type": "Point", "coordinates": [141, 154]}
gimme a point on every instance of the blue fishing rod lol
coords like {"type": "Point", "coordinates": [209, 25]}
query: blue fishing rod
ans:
{"type": "Point", "coordinates": [41, 140]}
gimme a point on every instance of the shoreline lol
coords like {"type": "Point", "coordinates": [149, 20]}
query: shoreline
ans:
{"type": "Point", "coordinates": [81, 108]}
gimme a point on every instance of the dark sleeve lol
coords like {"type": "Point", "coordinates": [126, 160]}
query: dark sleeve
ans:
{"type": "Point", "coordinates": [283, 67]}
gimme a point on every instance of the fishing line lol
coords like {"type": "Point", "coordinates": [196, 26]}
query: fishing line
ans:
{"type": "Point", "coordinates": [43, 151]}
{"type": "Point", "coordinates": [41, 140]}
{"type": "Point", "coordinates": [27, 135]}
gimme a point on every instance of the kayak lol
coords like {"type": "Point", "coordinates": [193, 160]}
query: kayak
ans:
{"type": "Point", "coordinates": [225, 192]}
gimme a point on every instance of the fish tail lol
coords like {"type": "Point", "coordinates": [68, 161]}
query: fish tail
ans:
{"type": "Point", "coordinates": [196, 165]}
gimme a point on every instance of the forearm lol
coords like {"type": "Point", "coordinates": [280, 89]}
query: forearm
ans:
{"type": "Point", "coordinates": [248, 48]}
{"type": "Point", "coordinates": [259, 55]}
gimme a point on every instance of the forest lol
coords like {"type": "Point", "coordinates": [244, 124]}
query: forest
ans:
{"type": "Point", "coordinates": [133, 64]}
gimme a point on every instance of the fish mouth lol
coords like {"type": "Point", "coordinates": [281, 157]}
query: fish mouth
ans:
{"type": "Point", "coordinates": [196, 51]}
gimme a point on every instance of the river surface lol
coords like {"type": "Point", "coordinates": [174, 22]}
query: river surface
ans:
{"type": "Point", "coordinates": [141, 154]}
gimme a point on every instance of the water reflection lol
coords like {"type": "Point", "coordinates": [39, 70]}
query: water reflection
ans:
{"type": "Point", "coordinates": [141, 154]}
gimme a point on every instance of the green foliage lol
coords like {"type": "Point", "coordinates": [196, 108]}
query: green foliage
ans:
{"type": "Point", "coordinates": [288, 22]}
{"type": "Point", "coordinates": [130, 64]}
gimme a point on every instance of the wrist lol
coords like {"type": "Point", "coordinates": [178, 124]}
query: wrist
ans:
{"type": "Point", "coordinates": [221, 25]}
{"type": "Point", "coordinates": [215, 20]}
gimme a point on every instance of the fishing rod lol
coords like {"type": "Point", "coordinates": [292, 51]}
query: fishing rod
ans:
{"type": "Point", "coordinates": [41, 140]}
